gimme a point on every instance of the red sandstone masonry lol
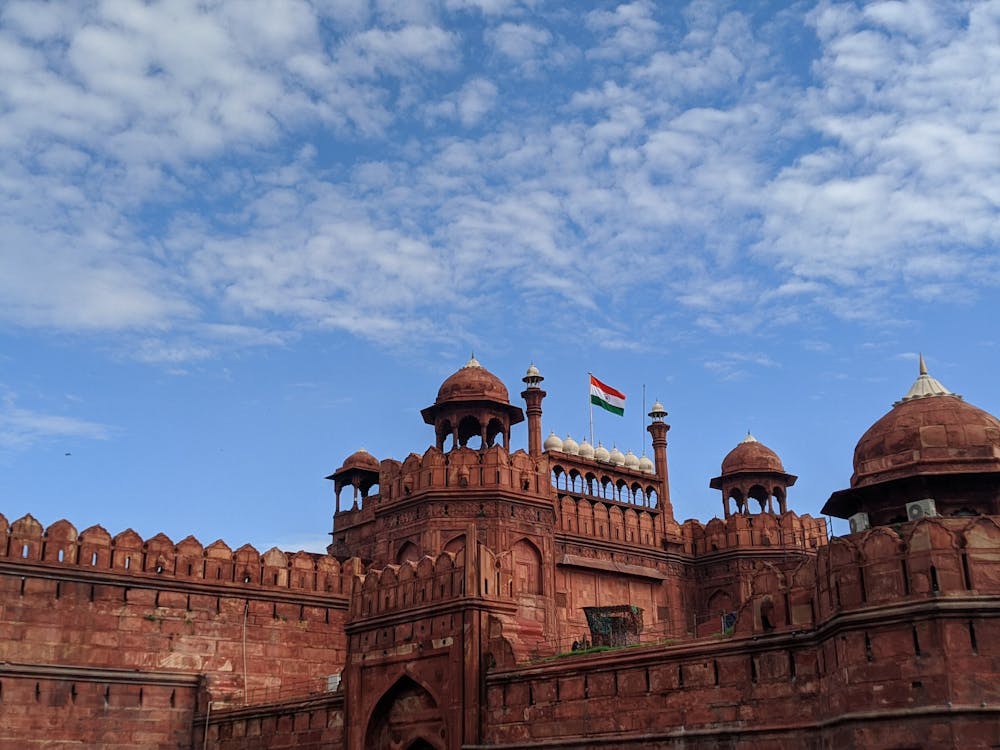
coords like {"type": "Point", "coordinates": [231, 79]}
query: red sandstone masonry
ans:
{"type": "Point", "coordinates": [883, 629]}
{"type": "Point", "coordinates": [93, 602]}
{"type": "Point", "coordinates": [312, 723]}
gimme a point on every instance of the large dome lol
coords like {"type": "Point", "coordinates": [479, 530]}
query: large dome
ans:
{"type": "Point", "coordinates": [472, 383]}
{"type": "Point", "coordinates": [931, 434]}
{"type": "Point", "coordinates": [751, 455]}
{"type": "Point", "coordinates": [918, 451]}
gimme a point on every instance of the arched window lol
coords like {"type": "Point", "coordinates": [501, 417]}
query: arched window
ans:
{"type": "Point", "coordinates": [409, 552]}
{"type": "Point", "coordinates": [469, 429]}
{"type": "Point", "coordinates": [495, 430]}
{"type": "Point", "coordinates": [527, 564]}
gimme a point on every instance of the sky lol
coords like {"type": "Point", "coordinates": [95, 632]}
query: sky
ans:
{"type": "Point", "coordinates": [241, 240]}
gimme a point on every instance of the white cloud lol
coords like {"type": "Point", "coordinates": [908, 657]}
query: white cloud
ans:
{"type": "Point", "coordinates": [520, 42]}
{"type": "Point", "coordinates": [913, 172]}
{"type": "Point", "coordinates": [468, 105]}
{"type": "Point", "coordinates": [208, 176]}
{"type": "Point", "coordinates": [396, 51]}
{"type": "Point", "coordinates": [630, 30]}
{"type": "Point", "coordinates": [22, 428]}
{"type": "Point", "coordinates": [734, 366]}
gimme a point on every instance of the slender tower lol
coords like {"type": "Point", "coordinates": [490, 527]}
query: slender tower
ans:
{"type": "Point", "coordinates": [533, 395]}
{"type": "Point", "coordinates": [658, 428]}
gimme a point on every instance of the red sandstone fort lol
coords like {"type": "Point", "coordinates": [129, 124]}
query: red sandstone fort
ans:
{"type": "Point", "coordinates": [475, 597]}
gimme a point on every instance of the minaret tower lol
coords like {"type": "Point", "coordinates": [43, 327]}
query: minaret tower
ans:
{"type": "Point", "coordinates": [533, 395]}
{"type": "Point", "coordinates": [658, 428]}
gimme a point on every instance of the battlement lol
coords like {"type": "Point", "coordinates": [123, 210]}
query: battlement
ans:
{"type": "Point", "coordinates": [492, 468]}
{"type": "Point", "coordinates": [94, 549]}
{"type": "Point", "coordinates": [607, 519]}
{"type": "Point", "coordinates": [462, 467]}
{"type": "Point", "coordinates": [933, 558]}
{"type": "Point", "coordinates": [411, 584]}
{"type": "Point", "coordinates": [740, 531]}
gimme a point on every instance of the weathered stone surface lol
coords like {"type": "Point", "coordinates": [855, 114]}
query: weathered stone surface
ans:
{"type": "Point", "coordinates": [450, 613]}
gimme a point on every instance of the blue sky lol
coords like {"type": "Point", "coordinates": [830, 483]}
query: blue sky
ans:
{"type": "Point", "coordinates": [240, 240]}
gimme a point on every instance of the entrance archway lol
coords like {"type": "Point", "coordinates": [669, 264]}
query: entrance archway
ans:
{"type": "Point", "coordinates": [404, 718]}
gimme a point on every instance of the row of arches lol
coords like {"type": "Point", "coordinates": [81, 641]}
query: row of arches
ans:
{"type": "Point", "coordinates": [471, 432]}
{"type": "Point", "coordinates": [744, 497]}
{"type": "Point", "coordinates": [605, 487]}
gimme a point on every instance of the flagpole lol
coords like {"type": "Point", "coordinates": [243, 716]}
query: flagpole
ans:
{"type": "Point", "coordinates": [591, 402]}
{"type": "Point", "coordinates": [642, 420]}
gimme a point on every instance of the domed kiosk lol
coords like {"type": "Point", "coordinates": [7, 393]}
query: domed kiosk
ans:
{"type": "Point", "coordinates": [752, 471]}
{"type": "Point", "coordinates": [931, 454]}
{"type": "Point", "coordinates": [359, 470]}
{"type": "Point", "coordinates": [472, 402]}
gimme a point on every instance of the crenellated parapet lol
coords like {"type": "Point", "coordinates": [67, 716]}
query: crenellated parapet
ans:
{"type": "Point", "coordinates": [435, 470]}
{"type": "Point", "coordinates": [492, 468]}
{"type": "Point", "coordinates": [461, 468]}
{"type": "Point", "coordinates": [765, 530]}
{"type": "Point", "coordinates": [933, 558]}
{"type": "Point", "coordinates": [409, 585]}
{"type": "Point", "coordinates": [26, 541]}
{"type": "Point", "coordinates": [610, 521]}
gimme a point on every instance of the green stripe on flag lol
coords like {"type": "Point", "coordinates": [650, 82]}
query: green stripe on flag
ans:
{"type": "Point", "coordinates": [598, 401]}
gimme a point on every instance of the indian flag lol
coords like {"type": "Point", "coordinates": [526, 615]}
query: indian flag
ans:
{"type": "Point", "coordinates": [606, 397]}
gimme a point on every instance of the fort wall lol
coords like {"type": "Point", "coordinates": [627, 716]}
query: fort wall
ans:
{"type": "Point", "coordinates": [78, 610]}
{"type": "Point", "coordinates": [314, 722]}
{"type": "Point", "coordinates": [910, 642]}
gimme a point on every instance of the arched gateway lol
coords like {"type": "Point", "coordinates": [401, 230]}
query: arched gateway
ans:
{"type": "Point", "coordinates": [405, 718]}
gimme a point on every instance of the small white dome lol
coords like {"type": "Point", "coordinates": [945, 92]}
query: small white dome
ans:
{"type": "Point", "coordinates": [631, 460]}
{"type": "Point", "coordinates": [616, 457]}
{"type": "Point", "coordinates": [586, 449]}
{"type": "Point", "coordinates": [646, 464]}
{"type": "Point", "coordinates": [553, 443]}
{"type": "Point", "coordinates": [570, 446]}
{"type": "Point", "coordinates": [601, 453]}
{"type": "Point", "coordinates": [532, 371]}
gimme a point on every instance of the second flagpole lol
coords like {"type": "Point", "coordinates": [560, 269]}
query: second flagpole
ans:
{"type": "Point", "coordinates": [591, 402]}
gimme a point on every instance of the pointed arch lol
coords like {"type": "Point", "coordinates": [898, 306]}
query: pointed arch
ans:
{"type": "Point", "coordinates": [455, 545]}
{"type": "Point", "coordinates": [527, 563]}
{"type": "Point", "coordinates": [408, 552]}
{"type": "Point", "coordinates": [468, 428]}
{"type": "Point", "coordinates": [405, 716]}
{"type": "Point", "coordinates": [494, 430]}
{"type": "Point", "coordinates": [719, 603]}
